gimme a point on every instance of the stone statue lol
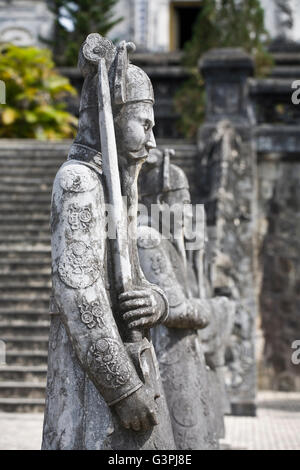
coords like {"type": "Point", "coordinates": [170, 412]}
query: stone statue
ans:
{"type": "Point", "coordinates": [216, 337]}
{"type": "Point", "coordinates": [103, 387]}
{"type": "Point", "coordinates": [177, 342]}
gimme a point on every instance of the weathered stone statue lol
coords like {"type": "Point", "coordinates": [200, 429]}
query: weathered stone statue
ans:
{"type": "Point", "coordinates": [193, 403]}
{"type": "Point", "coordinates": [216, 337]}
{"type": "Point", "coordinates": [103, 388]}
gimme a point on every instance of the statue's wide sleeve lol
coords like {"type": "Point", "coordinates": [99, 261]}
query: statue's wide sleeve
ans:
{"type": "Point", "coordinates": [155, 262]}
{"type": "Point", "coordinates": [81, 282]}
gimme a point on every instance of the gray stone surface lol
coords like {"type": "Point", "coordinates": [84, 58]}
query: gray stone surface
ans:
{"type": "Point", "coordinates": [103, 386]}
{"type": "Point", "coordinates": [280, 276]}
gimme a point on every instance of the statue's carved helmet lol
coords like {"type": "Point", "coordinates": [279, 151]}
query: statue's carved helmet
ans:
{"type": "Point", "coordinates": [128, 83]}
{"type": "Point", "coordinates": [159, 176]}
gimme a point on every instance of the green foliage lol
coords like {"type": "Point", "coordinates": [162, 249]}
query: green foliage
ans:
{"type": "Point", "coordinates": [87, 16]}
{"type": "Point", "coordinates": [34, 96]}
{"type": "Point", "coordinates": [220, 23]}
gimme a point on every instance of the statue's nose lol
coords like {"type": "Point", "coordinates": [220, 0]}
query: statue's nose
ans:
{"type": "Point", "coordinates": [151, 143]}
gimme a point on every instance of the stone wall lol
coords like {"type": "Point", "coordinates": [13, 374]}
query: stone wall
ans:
{"type": "Point", "coordinates": [279, 248]}
{"type": "Point", "coordinates": [273, 122]}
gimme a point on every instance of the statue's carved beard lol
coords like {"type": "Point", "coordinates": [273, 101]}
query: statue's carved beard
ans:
{"type": "Point", "coordinates": [139, 154]}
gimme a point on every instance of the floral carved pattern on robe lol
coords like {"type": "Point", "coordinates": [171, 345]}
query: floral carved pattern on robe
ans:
{"type": "Point", "coordinates": [78, 265]}
{"type": "Point", "coordinates": [110, 359]}
{"type": "Point", "coordinates": [79, 217]}
{"type": "Point", "coordinates": [91, 313]}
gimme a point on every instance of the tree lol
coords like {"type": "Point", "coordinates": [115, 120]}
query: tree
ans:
{"type": "Point", "coordinates": [220, 23]}
{"type": "Point", "coordinates": [74, 20]}
{"type": "Point", "coordinates": [35, 95]}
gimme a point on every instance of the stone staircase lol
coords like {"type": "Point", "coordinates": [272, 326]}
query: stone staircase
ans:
{"type": "Point", "coordinates": [27, 170]}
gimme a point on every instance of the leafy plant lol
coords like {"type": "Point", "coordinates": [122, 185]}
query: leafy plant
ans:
{"type": "Point", "coordinates": [35, 96]}
{"type": "Point", "coordinates": [74, 20]}
{"type": "Point", "coordinates": [220, 23]}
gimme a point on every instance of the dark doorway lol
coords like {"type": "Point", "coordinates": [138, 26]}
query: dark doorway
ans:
{"type": "Point", "coordinates": [185, 17]}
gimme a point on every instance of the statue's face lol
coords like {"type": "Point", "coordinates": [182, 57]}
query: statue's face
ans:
{"type": "Point", "coordinates": [134, 132]}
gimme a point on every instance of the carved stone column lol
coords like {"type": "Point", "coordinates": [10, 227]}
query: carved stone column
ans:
{"type": "Point", "coordinates": [226, 180]}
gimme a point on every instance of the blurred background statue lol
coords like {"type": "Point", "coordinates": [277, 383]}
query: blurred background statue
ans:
{"type": "Point", "coordinates": [195, 400]}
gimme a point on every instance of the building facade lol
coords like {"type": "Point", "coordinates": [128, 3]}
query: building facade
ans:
{"type": "Point", "coordinates": [24, 22]}
{"type": "Point", "coordinates": [155, 26]}
{"type": "Point", "coordinates": [165, 25]}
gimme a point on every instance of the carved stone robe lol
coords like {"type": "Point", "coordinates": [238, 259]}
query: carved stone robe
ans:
{"type": "Point", "coordinates": [179, 350]}
{"type": "Point", "coordinates": [215, 338]}
{"type": "Point", "coordinates": [89, 364]}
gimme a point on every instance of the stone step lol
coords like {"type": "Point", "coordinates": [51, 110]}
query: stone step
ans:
{"type": "Point", "coordinates": [19, 324]}
{"type": "Point", "coordinates": [26, 162]}
{"type": "Point", "coordinates": [19, 219]}
{"type": "Point", "coordinates": [21, 189]}
{"type": "Point", "coordinates": [26, 207]}
{"type": "Point", "coordinates": [19, 303]}
{"type": "Point", "coordinates": [26, 309]}
{"type": "Point", "coordinates": [37, 269]}
{"type": "Point", "coordinates": [21, 198]}
{"type": "Point", "coordinates": [25, 343]}
{"type": "Point", "coordinates": [29, 170]}
{"type": "Point", "coordinates": [25, 285]}
{"type": "Point", "coordinates": [28, 295]}
{"type": "Point", "coordinates": [15, 250]}
{"type": "Point", "coordinates": [27, 227]}
{"type": "Point", "coordinates": [26, 180]}
{"type": "Point", "coordinates": [21, 265]}
{"type": "Point", "coordinates": [23, 373]}
{"type": "Point", "coordinates": [22, 389]}
{"type": "Point", "coordinates": [30, 278]}
{"type": "Point", "coordinates": [33, 274]}
{"type": "Point", "coordinates": [41, 253]}
{"type": "Point", "coordinates": [25, 315]}
{"type": "Point", "coordinates": [35, 254]}
{"type": "Point", "coordinates": [28, 257]}
{"type": "Point", "coordinates": [22, 405]}
{"type": "Point", "coordinates": [28, 235]}
{"type": "Point", "coordinates": [31, 240]}
{"type": "Point", "coordinates": [38, 329]}
{"type": "Point", "coordinates": [26, 358]}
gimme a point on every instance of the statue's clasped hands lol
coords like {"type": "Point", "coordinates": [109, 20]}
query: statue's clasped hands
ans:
{"type": "Point", "coordinates": [141, 308]}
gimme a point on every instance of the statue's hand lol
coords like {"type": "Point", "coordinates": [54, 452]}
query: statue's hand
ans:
{"type": "Point", "coordinates": [141, 308]}
{"type": "Point", "coordinates": [138, 411]}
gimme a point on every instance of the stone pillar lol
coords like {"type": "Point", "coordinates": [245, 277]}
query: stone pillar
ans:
{"type": "Point", "coordinates": [226, 180]}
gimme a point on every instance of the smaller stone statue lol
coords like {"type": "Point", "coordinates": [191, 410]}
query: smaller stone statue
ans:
{"type": "Point", "coordinates": [178, 343]}
{"type": "Point", "coordinates": [216, 337]}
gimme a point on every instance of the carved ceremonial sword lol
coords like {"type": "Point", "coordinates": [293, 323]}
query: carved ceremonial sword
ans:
{"type": "Point", "coordinates": [111, 172]}
{"type": "Point", "coordinates": [141, 350]}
